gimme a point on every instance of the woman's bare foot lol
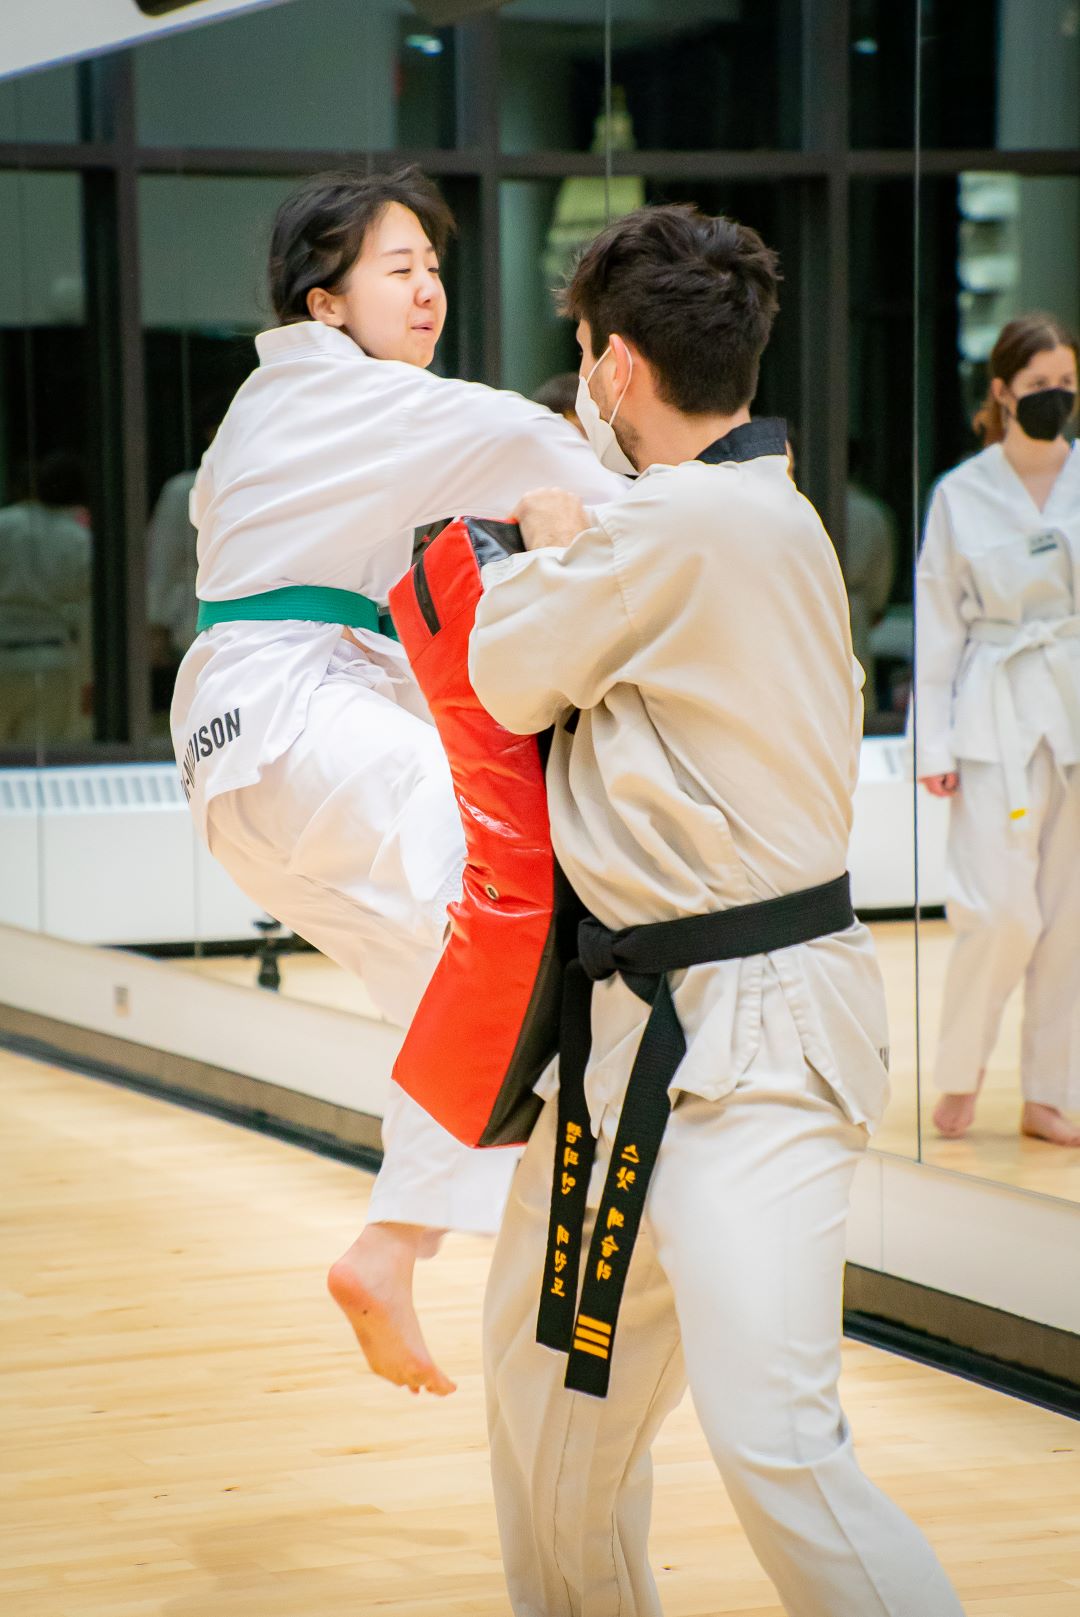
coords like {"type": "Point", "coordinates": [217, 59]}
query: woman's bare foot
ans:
{"type": "Point", "coordinates": [954, 1114]}
{"type": "Point", "coordinates": [1047, 1123]}
{"type": "Point", "coordinates": [372, 1285]}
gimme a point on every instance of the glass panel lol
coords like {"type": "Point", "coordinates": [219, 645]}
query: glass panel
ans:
{"type": "Point", "coordinates": [1000, 969]}
{"type": "Point", "coordinates": [1001, 73]}
{"type": "Point", "coordinates": [544, 223]}
{"type": "Point", "coordinates": [40, 106]}
{"type": "Point", "coordinates": [47, 490]}
{"type": "Point", "coordinates": [319, 74]}
{"type": "Point", "coordinates": [706, 74]}
{"type": "Point", "coordinates": [878, 552]}
{"type": "Point", "coordinates": [876, 558]}
{"type": "Point", "coordinates": [882, 74]}
{"type": "Point", "coordinates": [202, 255]}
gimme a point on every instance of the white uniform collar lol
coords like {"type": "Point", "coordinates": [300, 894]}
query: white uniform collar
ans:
{"type": "Point", "coordinates": [305, 337]}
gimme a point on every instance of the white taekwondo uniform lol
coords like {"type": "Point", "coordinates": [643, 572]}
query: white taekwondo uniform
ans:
{"type": "Point", "coordinates": [702, 628]}
{"type": "Point", "coordinates": [44, 621]}
{"type": "Point", "coordinates": [998, 700]}
{"type": "Point", "coordinates": [320, 782]}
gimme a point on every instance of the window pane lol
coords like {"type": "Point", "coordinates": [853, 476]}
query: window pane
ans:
{"type": "Point", "coordinates": [882, 73]}
{"type": "Point", "coordinates": [40, 106]}
{"type": "Point", "coordinates": [702, 75]}
{"type": "Point", "coordinates": [878, 551]}
{"type": "Point", "coordinates": [544, 223]}
{"type": "Point", "coordinates": [202, 251]}
{"type": "Point", "coordinates": [321, 74]}
{"type": "Point", "coordinates": [1001, 73]}
{"type": "Point", "coordinates": [995, 246]}
{"type": "Point", "coordinates": [48, 501]}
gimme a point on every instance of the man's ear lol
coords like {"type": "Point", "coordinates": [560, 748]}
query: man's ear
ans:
{"type": "Point", "coordinates": [324, 307]}
{"type": "Point", "coordinates": [627, 361]}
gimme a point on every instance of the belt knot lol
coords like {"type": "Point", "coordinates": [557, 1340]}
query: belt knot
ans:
{"type": "Point", "coordinates": [596, 949]}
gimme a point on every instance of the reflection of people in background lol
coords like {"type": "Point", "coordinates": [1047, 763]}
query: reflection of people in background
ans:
{"type": "Point", "coordinates": [44, 605]}
{"type": "Point", "coordinates": [171, 566]}
{"type": "Point", "coordinates": [869, 561]}
{"type": "Point", "coordinates": [869, 565]}
{"type": "Point", "coordinates": [998, 656]}
{"type": "Point", "coordinates": [559, 395]}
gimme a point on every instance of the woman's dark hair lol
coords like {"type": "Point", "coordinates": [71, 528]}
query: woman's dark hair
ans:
{"type": "Point", "coordinates": [697, 295]}
{"type": "Point", "coordinates": [1017, 344]}
{"type": "Point", "coordinates": [319, 230]}
{"type": "Point", "coordinates": [559, 393]}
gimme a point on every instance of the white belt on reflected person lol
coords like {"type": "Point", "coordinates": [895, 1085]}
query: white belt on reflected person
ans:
{"type": "Point", "coordinates": [1017, 639]}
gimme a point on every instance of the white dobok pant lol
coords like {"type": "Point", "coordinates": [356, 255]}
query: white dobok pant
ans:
{"type": "Point", "coordinates": [1014, 903]}
{"type": "Point", "coordinates": [735, 1287]}
{"type": "Point", "coordinates": [352, 838]}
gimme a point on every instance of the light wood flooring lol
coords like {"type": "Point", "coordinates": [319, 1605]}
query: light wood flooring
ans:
{"type": "Point", "coordinates": [187, 1430]}
{"type": "Point", "coordinates": [994, 1149]}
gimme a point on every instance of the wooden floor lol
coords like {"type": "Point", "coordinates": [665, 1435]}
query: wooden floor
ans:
{"type": "Point", "coordinates": [994, 1149]}
{"type": "Point", "coordinates": [188, 1431]}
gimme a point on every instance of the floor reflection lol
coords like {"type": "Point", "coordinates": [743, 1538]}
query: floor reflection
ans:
{"type": "Point", "coordinates": [992, 1150]}
{"type": "Point", "coordinates": [307, 976]}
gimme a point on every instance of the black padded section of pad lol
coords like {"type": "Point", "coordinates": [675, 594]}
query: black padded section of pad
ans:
{"type": "Point", "coordinates": [493, 540]}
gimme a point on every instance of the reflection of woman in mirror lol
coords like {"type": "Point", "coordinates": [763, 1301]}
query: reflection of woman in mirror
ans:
{"type": "Point", "coordinates": [308, 755]}
{"type": "Point", "coordinates": [998, 627]}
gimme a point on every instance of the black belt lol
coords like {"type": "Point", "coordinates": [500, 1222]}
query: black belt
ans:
{"type": "Point", "coordinates": [643, 956]}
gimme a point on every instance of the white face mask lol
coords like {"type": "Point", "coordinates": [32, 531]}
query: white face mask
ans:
{"type": "Point", "coordinates": [600, 433]}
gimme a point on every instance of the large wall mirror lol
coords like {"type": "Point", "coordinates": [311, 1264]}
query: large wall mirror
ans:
{"type": "Point", "coordinates": [998, 593]}
{"type": "Point", "coordinates": [133, 284]}
{"type": "Point", "coordinates": [916, 166]}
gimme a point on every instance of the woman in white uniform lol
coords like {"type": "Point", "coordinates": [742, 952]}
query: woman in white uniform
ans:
{"type": "Point", "coordinates": [998, 730]}
{"type": "Point", "coordinates": [306, 751]}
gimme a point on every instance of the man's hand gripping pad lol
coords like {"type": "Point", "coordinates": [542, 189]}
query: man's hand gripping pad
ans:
{"type": "Point", "coordinates": [488, 1022]}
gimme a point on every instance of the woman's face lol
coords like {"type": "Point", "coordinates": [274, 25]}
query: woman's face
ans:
{"type": "Point", "coordinates": [1053, 367]}
{"type": "Point", "coordinates": [393, 303]}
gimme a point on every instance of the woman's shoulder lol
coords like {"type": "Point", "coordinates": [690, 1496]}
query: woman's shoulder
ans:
{"type": "Point", "coordinates": [972, 473]}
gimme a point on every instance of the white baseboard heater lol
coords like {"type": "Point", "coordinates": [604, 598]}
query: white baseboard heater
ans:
{"type": "Point", "coordinates": [107, 854]}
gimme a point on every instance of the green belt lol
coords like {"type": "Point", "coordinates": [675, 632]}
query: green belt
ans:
{"type": "Point", "coordinates": [307, 602]}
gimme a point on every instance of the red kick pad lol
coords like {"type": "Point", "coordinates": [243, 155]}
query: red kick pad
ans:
{"type": "Point", "coordinates": [488, 1023]}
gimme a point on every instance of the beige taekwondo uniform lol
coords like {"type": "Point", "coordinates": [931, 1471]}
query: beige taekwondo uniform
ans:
{"type": "Point", "coordinates": [310, 761]}
{"type": "Point", "coordinates": [998, 694]}
{"type": "Point", "coordinates": [701, 627]}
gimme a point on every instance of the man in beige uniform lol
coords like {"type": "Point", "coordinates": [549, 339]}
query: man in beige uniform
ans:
{"type": "Point", "coordinates": [691, 647]}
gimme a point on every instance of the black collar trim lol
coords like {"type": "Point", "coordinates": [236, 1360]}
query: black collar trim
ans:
{"type": "Point", "coordinates": [765, 436]}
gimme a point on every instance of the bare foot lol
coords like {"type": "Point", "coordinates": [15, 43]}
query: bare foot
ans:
{"type": "Point", "coordinates": [1047, 1123]}
{"type": "Point", "coordinates": [372, 1285]}
{"type": "Point", "coordinates": [954, 1114]}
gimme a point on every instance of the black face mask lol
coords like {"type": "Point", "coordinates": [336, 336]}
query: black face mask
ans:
{"type": "Point", "coordinates": [1042, 415]}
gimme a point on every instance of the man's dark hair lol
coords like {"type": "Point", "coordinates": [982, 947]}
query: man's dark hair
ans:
{"type": "Point", "coordinates": [559, 393]}
{"type": "Point", "coordinates": [319, 230]}
{"type": "Point", "coordinates": [696, 295]}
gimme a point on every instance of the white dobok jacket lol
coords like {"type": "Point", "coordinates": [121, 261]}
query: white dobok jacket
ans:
{"type": "Point", "coordinates": [324, 466]}
{"type": "Point", "coordinates": [997, 612]}
{"type": "Point", "coordinates": [701, 626]}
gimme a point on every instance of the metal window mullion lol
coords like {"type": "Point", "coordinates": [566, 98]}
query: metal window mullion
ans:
{"type": "Point", "coordinates": [118, 394]}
